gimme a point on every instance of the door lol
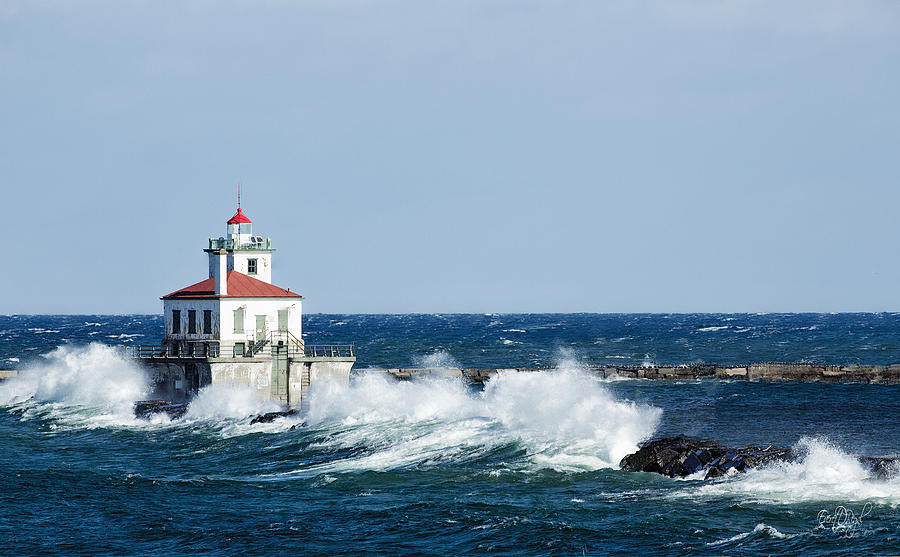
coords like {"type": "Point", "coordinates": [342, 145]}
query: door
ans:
{"type": "Point", "coordinates": [282, 321]}
{"type": "Point", "coordinates": [279, 372]}
{"type": "Point", "coordinates": [260, 328]}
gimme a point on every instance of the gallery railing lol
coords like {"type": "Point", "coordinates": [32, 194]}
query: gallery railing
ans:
{"type": "Point", "coordinates": [240, 350]}
{"type": "Point", "coordinates": [222, 243]}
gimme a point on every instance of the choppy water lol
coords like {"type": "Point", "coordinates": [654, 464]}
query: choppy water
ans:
{"type": "Point", "coordinates": [525, 465]}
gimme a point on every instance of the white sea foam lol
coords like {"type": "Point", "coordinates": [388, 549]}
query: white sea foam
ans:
{"type": "Point", "coordinates": [440, 359]}
{"type": "Point", "coordinates": [94, 385]}
{"type": "Point", "coordinates": [563, 419]}
{"type": "Point", "coordinates": [94, 376]}
{"type": "Point", "coordinates": [824, 473]}
{"type": "Point", "coordinates": [218, 402]}
{"type": "Point", "coordinates": [760, 530]}
{"type": "Point", "coordinates": [712, 329]}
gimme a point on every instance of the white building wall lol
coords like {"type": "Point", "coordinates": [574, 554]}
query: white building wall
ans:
{"type": "Point", "coordinates": [185, 306]}
{"type": "Point", "coordinates": [259, 306]}
{"type": "Point", "coordinates": [237, 261]}
{"type": "Point", "coordinates": [223, 328]}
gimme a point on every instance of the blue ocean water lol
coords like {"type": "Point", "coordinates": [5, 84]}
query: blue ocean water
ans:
{"type": "Point", "coordinates": [525, 465]}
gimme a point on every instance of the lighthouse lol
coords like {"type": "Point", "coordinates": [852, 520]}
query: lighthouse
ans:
{"type": "Point", "coordinates": [236, 308]}
{"type": "Point", "coordinates": [235, 327]}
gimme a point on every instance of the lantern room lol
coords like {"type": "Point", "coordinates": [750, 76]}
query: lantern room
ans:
{"type": "Point", "coordinates": [240, 228]}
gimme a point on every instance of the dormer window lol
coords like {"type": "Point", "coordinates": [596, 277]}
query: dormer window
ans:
{"type": "Point", "coordinates": [251, 266]}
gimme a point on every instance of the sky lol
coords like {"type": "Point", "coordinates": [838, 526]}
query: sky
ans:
{"type": "Point", "coordinates": [455, 156]}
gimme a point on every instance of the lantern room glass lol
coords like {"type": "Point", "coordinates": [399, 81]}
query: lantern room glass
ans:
{"type": "Point", "coordinates": [240, 228]}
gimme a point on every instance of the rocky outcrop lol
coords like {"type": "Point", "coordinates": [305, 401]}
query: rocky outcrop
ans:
{"type": "Point", "coordinates": [678, 457]}
{"type": "Point", "coordinates": [146, 408]}
{"type": "Point", "coordinates": [882, 466]}
{"type": "Point", "coordinates": [270, 417]}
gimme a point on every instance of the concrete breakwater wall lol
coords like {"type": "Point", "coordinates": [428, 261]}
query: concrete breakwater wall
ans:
{"type": "Point", "coordinates": [753, 372]}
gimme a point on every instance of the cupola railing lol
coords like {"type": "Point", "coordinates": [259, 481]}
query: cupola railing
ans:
{"type": "Point", "coordinates": [226, 244]}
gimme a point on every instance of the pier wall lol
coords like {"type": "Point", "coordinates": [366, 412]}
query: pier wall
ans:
{"type": "Point", "coordinates": [855, 373]}
{"type": "Point", "coordinates": [177, 380]}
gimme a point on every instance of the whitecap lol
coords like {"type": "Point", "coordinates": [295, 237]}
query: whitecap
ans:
{"type": "Point", "coordinates": [582, 426]}
{"type": "Point", "coordinates": [91, 385]}
{"type": "Point", "coordinates": [823, 473]}
{"type": "Point", "coordinates": [760, 529]}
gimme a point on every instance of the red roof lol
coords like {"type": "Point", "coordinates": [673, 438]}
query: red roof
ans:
{"type": "Point", "coordinates": [238, 218]}
{"type": "Point", "coordinates": [239, 286]}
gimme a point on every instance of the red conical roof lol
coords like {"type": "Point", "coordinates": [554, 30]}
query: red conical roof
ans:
{"type": "Point", "coordinates": [239, 218]}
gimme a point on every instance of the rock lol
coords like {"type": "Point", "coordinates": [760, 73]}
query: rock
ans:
{"type": "Point", "coordinates": [678, 457]}
{"type": "Point", "coordinates": [673, 456]}
{"type": "Point", "coordinates": [146, 408]}
{"type": "Point", "coordinates": [269, 417]}
{"type": "Point", "coordinates": [882, 467]}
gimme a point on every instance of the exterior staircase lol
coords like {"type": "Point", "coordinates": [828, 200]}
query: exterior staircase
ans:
{"type": "Point", "coordinates": [259, 345]}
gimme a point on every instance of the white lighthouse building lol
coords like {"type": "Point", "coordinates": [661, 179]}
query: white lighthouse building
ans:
{"type": "Point", "coordinates": [237, 308]}
{"type": "Point", "coordinates": [236, 327]}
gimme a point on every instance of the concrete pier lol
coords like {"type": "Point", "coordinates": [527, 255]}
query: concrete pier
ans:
{"type": "Point", "coordinates": [853, 373]}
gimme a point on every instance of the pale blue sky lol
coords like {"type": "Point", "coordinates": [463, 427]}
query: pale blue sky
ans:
{"type": "Point", "coordinates": [456, 156]}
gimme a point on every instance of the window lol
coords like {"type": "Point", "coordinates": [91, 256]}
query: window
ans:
{"type": "Point", "coordinates": [251, 266]}
{"type": "Point", "coordinates": [207, 322]}
{"type": "Point", "coordinates": [239, 320]}
{"type": "Point", "coordinates": [239, 349]}
{"type": "Point", "coordinates": [192, 322]}
{"type": "Point", "coordinates": [282, 320]}
{"type": "Point", "coordinates": [176, 321]}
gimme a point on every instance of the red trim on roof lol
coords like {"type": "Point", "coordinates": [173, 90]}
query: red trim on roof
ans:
{"type": "Point", "coordinates": [239, 218]}
{"type": "Point", "coordinates": [239, 286]}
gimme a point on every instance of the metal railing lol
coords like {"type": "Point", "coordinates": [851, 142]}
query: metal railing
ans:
{"type": "Point", "coordinates": [328, 351]}
{"type": "Point", "coordinates": [239, 350]}
{"type": "Point", "coordinates": [222, 243]}
{"type": "Point", "coordinates": [193, 350]}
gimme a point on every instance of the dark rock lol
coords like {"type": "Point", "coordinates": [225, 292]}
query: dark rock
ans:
{"type": "Point", "coordinates": [882, 467]}
{"type": "Point", "coordinates": [678, 457]}
{"type": "Point", "coordinates": [146, 408]}
{"type": "Point", "coordinates": [672, 456]}
{"type": "Point", "coordinates": [270, 416]}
